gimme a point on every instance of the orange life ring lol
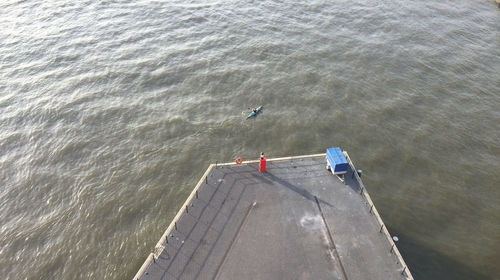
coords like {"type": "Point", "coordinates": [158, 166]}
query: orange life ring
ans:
{"type": "Point", "coordinates": [238, 160]}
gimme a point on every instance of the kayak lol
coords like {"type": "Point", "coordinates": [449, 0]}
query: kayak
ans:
{"type": "Point", "coordinates": [256, 112]}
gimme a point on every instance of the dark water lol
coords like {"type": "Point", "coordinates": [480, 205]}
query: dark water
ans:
{"type": "Point", "coordinates": [111, 111]}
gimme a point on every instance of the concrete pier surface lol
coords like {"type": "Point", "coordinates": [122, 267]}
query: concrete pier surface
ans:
{"type": "Point", "coordinates": [295, 221]}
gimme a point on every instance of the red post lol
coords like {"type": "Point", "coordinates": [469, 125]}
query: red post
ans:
{"type": "Point", "coordinates": [262, 164]}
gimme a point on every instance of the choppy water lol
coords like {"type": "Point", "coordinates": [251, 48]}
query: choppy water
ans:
{"type": "Point", "coordinates": [111, 111]}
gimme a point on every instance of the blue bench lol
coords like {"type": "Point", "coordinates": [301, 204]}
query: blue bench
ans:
{"type": "Point", "coordinates": [336, 161]}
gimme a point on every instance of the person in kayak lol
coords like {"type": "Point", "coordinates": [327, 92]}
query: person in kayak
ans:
{"type": "Point", "coordinates": [253, 109]}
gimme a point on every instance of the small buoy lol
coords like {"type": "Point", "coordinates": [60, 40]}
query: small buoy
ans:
{"type": "Point", "coordinates": [239, 160]}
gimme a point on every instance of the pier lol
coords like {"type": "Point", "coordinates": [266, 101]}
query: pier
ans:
{"type": "Point", "coordinates": [295, 221]}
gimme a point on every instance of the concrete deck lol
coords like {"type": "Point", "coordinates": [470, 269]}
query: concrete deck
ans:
{"type": "Point", "coordinates": [295, 221]}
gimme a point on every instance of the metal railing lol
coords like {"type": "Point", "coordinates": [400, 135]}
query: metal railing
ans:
{"type": "Point", "coordinates": [373, 210]}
